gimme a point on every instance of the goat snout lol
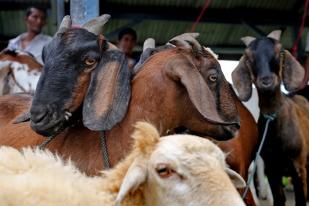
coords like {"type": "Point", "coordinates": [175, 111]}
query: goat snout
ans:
{"type": "Point", "coordinates": [47, 120]}
{"type": "Point", "coordinates": [38, 113]}
{"type": "Point", "coordinates": [265, 82]}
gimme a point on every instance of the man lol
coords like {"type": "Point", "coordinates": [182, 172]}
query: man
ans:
{"type": "Point", "coordinates": [33, 40]}
{"type": "Point", "coordinates": [127, 40]}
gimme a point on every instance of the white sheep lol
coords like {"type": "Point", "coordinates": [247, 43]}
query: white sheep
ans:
{"type": "Point", "coordinates": [173, 170]}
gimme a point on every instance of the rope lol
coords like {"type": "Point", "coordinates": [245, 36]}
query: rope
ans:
{"type": "Point", "coordinates": [45, 142]}
{"type": "Point", "coordinates": [250, 178]}
{"type": "Point", "coordinates": [206, 5]}
{"type": "Point", "coordinates": [301, 29]}
{"type": "Point", "coordinates": [106, 163]}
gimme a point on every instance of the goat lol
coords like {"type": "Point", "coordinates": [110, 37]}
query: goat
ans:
{"type": "Point", "coordinates": [154, 88]}
{"type": "Point", "coordinates": [266, 64]}
{"type": "Point", "coordinates": [171, 170]}
{"type": "Point", "coordinates": [240, 149]}
{"type": "Point", "coordinates": [19, 72]}
{"type": "Point", "coordinates": [96, 88]}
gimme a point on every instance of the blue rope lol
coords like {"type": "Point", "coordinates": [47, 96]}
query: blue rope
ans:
{"type": "Point", "coordinates": [269, 119]}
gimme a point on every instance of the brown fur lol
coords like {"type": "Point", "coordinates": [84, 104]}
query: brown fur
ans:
{"type": "Point", "coordinates": [287, 141]}
{"type": "Point", "coordinates": [171, 109]}
{"type": "Point", "coordinates": [79, 91]}
{"type": "Point", "coordinates": [12, 106]}
{"type": "Point", "coordinates": [241, 149]}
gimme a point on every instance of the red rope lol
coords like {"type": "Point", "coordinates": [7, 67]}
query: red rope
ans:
{"type": "Point", "coordinates": [206, 5]}
{"type": "Point", "coordinates": [301, 29]}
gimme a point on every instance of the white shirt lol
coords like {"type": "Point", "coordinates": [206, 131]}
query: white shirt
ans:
{"type": "Point", "coordinates": [35, 47]}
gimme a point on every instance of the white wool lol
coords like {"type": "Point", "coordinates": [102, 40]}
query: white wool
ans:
{"type": "Point", "coordinates": [40, 178]}
{"type": "Point", "coordinates": [199, 178]}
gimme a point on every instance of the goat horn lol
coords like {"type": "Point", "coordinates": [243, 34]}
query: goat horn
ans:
{"type": "Point", "coordinates": [187, 40]}
{"type": "Point", "coordinates": [149, 43]}
{"type": "Point", "coordinates": [65, 24]}
{"type": "Point", "coordinates": [247, 40]}
{"type": "Point", "coordinates": [96, 25]}
{"type": "Point", "coordinates": [275, 35]}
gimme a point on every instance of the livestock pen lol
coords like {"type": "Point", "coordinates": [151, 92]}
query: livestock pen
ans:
{"type": "Point", "coordinates": [232, 71]}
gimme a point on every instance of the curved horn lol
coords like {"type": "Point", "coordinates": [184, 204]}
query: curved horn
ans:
{"type": "Point", "coordinates": [65, 24]}
{"type": "Point", "coordinates": [96, 25]}
{"type": "Point", "coordinates": [247, 40]}
{"type": "Point", "coordinates": [187, 40]}
{"type": "Point", "coordinates": [275, 35]}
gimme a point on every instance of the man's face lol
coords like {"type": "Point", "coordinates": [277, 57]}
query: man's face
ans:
{"type": "Point", "coordinates": [35, 21]}
{"type": "Point", "coordinates": [127, 43]}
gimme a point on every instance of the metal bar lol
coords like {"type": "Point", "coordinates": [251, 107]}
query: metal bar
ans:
{"type": "Point", "coordinates": [255, 29]}
{"type": "Point", "coordinates": [83, 10]}
{"type": "Point", "coordinates": [60, 11]}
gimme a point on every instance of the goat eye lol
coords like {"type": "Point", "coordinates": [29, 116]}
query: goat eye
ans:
{"type": "Point", "coordinates": [213, 77]}
{"type": "Point", "coordinates": [90, 61]}
{"type": "Point", "coordinates": [164, 171]}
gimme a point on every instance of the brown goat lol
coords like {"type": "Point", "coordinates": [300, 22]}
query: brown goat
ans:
{"type": "Point", "coordinates": [286, 147]}
{"type": "Point", "coordinates": [170, 108]}
{"type": "Point", "coordinates": [158, 96]}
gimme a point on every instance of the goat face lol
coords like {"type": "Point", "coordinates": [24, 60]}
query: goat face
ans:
{"type": "Point", "coordinates": [79, 72]}
{"type": "Point", "coordinates": [263, 57]}
{"type": "Point", "coordinates": [191, 88]}
{"type": "Point", "coordinates": [68, 61]}
{"type": "Point", "coordinates": [260, 65]}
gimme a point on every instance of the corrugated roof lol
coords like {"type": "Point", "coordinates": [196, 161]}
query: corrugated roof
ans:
{"type": "Point", "coordinates": [223, 36]}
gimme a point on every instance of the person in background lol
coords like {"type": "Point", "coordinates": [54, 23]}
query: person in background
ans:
{"type": "Point", "coordinates": [126, 42]}
{"type": "Point", "coordinates": [33, 40]}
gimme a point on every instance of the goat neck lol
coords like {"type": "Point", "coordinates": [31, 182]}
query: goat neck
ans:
{"type": "Point", "coordinates": [270, 102]}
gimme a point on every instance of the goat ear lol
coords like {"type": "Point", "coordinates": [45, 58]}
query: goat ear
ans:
{"type": "Point", "coordinates": [242, 80]}
{"type": "Point", "coordinates": [293, 73]}
{"type": "Point", "coordinates": [109, 92]}
{"type": "Point", "coordinates": [237, 180]}
{"type": "Point", "coordinates": [135, 177]}
{"type": "Point", "coordinates": [198, 90]}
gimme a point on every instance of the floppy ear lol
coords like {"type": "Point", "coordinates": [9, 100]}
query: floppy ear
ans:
{"type": "Point", "coordinates": [293, 73]}
{"type": "Point", "coordinates": [199, 92]}
{"type": "Point", "coordinates": [135, 177]}
{"type": "Point", "coordinates": [236, 179]}
{"type": "Point", "coordinates": [242, 80]}
{"type": "Point", "coordinates": [109, 92]}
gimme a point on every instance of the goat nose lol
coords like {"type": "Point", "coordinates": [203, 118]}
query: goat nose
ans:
{"type": "Point", "coordinates": [38, 113]}
{"type": "Point", "coordinates": [266, 81]}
